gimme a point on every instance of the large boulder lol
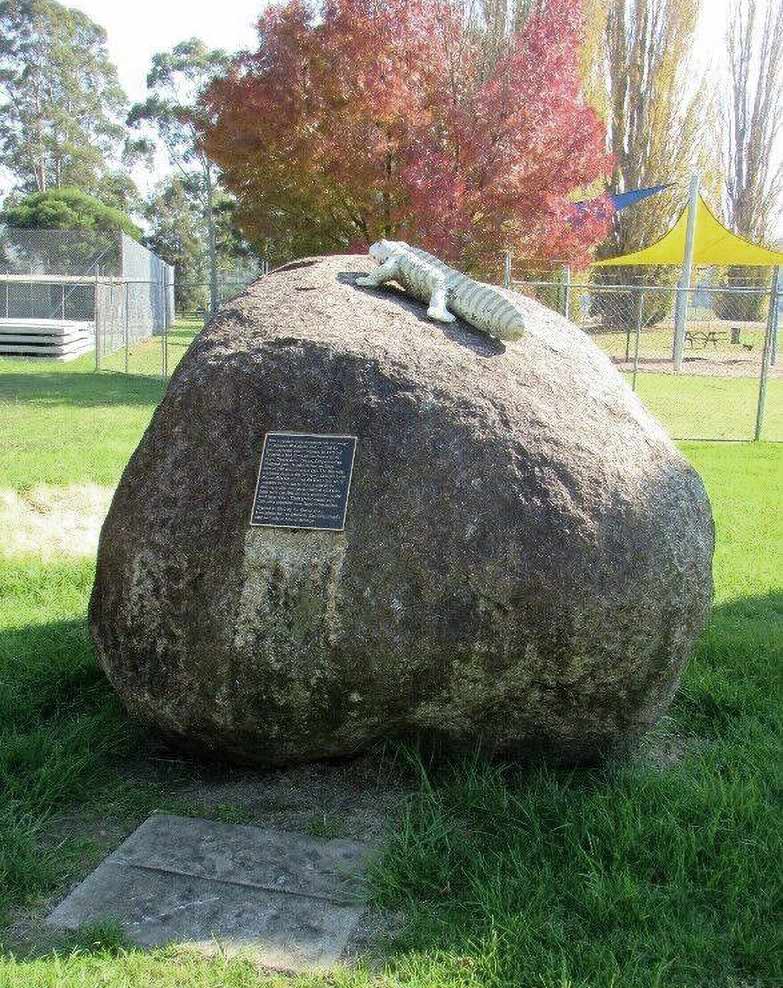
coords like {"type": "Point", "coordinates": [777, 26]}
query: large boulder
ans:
{"type": "Point", "coordinates": [525, 565]}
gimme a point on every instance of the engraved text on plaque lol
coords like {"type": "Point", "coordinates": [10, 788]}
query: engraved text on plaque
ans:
{"type": "Point", "coordinates": [303, 481]}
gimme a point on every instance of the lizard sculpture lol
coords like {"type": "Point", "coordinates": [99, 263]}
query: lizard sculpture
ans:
{"type": "Point", "coordinates": [448, 292]}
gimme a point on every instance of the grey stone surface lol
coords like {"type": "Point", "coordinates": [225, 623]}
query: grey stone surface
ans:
{"type": "Point", "coordinates": [526, 562]}
{"type": "Point", "coordinates": [291, 900]}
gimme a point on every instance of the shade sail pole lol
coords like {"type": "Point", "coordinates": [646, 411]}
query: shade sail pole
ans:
{"type": "Point", "coordinates": [681, 314]}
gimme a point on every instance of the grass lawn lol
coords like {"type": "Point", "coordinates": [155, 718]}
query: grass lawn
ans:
{"type": "Point", "coordinates": [637, 875]}
{"type": "Point", "coordinates": [657, 340]}
{"type": "Point", "coordinates": [63, 424]}
{"type": "Point", "coordinates": [700, 407]}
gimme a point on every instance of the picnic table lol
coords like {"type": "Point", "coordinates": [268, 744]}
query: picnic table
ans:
{"type": "Point", "coordinates": [703, 336]}
{"type": "Point", "coordinates": [714, 336]}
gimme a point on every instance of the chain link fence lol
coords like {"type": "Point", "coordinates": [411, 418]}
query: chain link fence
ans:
{"type": "Point", "coordinates": [713, 372]}
{"type": "Point", "coordinates": [65, 293]}
{"type": "Point", "coordinates": [121, 350]}
{"type": "Point", "coordinates": [100, 301]}
{"type": "Point", "coordinates": [103, 303]}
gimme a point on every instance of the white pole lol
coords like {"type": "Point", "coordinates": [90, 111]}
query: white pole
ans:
{"type": "Point", "coordinates": [567, 291]}
{"type": "Point", "coordinates": [775, 302]}
{"type": "Point", "coordinates": [766, 356]}
{"type": "Point", "coordinates": [681, 315]}
{"type": "Point", "coordinates": [97, 320]}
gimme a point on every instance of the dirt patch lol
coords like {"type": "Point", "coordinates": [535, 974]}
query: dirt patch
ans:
{"type": "Point", "coordinates": [51, 522]}
{"type": "Point", "coordinates": [703, 366]}
{"type": "Point", "coordinates": [664, 747]}
{"type": "Point", "coordinates": [355, 798]}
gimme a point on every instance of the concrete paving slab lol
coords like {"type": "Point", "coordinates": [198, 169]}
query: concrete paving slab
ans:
{"type": "Point", "coordinates": [291, 900]}
{"type": "Point", "coordinates": [268, 859]}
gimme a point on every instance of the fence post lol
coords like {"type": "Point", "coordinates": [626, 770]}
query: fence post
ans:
{"type": "Point", "coordinates": [96, 312]}
{"type": "Point", "coordinates": [567, 290]}
{"type": "Point", "coordinates": [164, 332]}
{"type": "Point", "coordinates": [766, 354]}
{"type": "Point", "coordinates": [681, 313]}
{"type": "Point", "coordinates": [169, 321]}
{"type": "Point", "coordinates": [127, 323]}
{"type": "Point", "coordinates": [775, 303]}
{"type": "Point", "coordinates": [507, 270]}
{"type": "Point", "coordinates": [639, 316]}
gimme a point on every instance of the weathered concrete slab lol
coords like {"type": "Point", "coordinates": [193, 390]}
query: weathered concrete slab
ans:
{"type": "Point", "coordinates": [292, 900]}
{"type": "Point", "coordinates": [266, 859]}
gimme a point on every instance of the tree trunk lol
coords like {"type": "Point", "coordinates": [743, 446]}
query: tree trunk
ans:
{"type": "Point", "coordinates": [214, 291]}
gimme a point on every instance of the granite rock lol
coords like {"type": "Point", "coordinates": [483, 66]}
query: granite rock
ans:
{"type": "Point", "coordinates": [526, 562]}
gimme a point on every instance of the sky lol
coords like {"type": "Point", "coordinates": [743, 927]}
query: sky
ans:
{"type": "Point", "coordinates": [137, 29]}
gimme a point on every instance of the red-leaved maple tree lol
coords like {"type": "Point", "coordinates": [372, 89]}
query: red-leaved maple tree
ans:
{"type": "Point", "coordinates": [383, 118]}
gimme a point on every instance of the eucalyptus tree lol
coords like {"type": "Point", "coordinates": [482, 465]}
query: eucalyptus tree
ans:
{"type": "Point", "coordinates": [175, 234]}
{"type": "Point", "coordinates": [61, 105]}
{"type": "Point", "coordinates": [175, 115]}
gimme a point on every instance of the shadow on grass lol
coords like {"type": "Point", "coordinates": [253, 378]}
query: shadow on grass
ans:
{"type": "Point", "coordinates": [183, 334]}
{"type": "Point", "coordinates": [82, 389]}
{"type": "Point", "coordinates": [46, 671]}
{"type": "Point", "coordinates": [97, 940]}
{"type": "Point", "coordinates": [732, 684]}
{"type": "Point", "coordinates": [59, 718]}
{"type": "Point", "coordinates": [635, 873]}
{"type": "Point", "coordinates": [60, 729]}
{"type": "Point", "coordinates": [767, 606]}
{"type": "Point", "coordinates": [630, 874]}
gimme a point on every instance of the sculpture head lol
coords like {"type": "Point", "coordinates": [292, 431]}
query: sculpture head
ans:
{"type": "Point", "coordinates": [382, 249]}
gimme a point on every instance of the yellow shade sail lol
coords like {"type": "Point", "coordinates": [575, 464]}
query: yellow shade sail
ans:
{"type": "Point", "coordinates": [713, 244]}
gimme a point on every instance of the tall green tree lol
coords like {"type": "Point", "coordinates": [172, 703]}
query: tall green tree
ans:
{"type": "Point", "coordinates": [117, 189]}
{"type": "Point", "coordinates": [67, 209]}
{"type": "Point", "coordinates": [61, 104]}
{"type": "Point", "coordinates": [175, 223]}
{"type": "Point", "coordinates": [644, 78]}
{"type": "Point", "coordinates": [178, 234]}
{"type": "Point", "coordinates": [93, 236]}
{"type": "Point", "coordinates": [175, 114]}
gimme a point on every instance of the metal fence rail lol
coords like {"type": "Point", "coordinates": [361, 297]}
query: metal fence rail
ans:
{"type": "Point", "coordinates": [59, 252]}
{"type": "Point", "coordinates": [64, 292]}
{"type": "Point", "coordinates": [137, 305]}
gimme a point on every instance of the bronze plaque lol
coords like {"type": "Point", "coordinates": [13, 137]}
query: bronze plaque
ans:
{"type": "Point", "coordinates": [303, 481]}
